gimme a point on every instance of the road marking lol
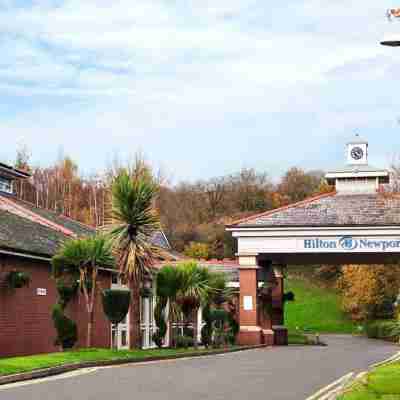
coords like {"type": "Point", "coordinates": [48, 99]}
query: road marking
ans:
{"type": "Point", "coordinates": [66, 375]}
{"type": "Point", "coordinates": [330, 386]}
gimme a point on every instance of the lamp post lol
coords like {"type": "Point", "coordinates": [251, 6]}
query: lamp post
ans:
{"type": "Point", "coordinates": [392, 39]}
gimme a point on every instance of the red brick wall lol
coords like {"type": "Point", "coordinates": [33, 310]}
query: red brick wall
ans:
{"type": "Point", "coordinates": [248, 287]}
{"type": "Point", "coordinates": [26, 326]}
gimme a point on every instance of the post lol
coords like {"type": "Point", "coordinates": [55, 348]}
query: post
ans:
{"type": "Point", "coordinates": [278, 317]}
{"type": "Point", "coordinates": [250, 332]}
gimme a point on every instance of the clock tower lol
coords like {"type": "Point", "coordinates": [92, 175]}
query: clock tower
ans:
{"type": "Point", "coordinates": [357, 152]}
{"type": "Point", "coordinates": [357, 176]}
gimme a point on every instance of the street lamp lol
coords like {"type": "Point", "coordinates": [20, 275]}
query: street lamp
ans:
{"type": "Point", "coordinates": [392, 39]}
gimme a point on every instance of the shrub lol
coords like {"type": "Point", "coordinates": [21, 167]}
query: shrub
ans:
{"type": "Point", "coordinates": [207, 329]}
{"type": "Point", "coordinates": [67, 332]}
{"type": "Point", "coordinates": [159, 317]}
{"type": "Point", "coordinates": [382, 329]}
{"type": "Point", "coordinates": [116, 304]}
{"type": "Point", "coordinates": [66, 292]}
{"type": "Point", "coordinates": [197, 250]}
{"type": "Point", "coordinates": [288, 296]}
{"type": "Point", "coordinates": [184, 342]}
{"type": "Point", "coordinates": [17, 279]}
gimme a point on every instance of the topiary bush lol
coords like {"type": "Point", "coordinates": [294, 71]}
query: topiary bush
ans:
{"type": "Point", "coordinates": [17, 279]}
{"type": "Point", "coordinates": [159, 318]}
{"type": "Point", "coordinates": [67, 331]}
{"type": "Point", "coordinates": [116, 304]}
{"type": "Point", "coordinates": [382, 329]}
{"type": "Point", "coordinates": [288, 296]}
{"type": "Point", "coordinates": [66, 292]}
{"type": "Point", "coordinates": [184, 342]}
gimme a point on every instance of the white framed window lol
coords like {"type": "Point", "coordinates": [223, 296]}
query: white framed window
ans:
{"type": "Point", "coordinates": [6, 185]}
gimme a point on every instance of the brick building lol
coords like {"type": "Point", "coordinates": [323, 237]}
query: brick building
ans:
{"type": "Point", "coordinates": [357, 223]}
{"type": "Point", "coordinates": [29, 237]}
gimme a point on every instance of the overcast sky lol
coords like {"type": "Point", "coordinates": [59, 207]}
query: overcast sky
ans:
{"type": "Point", "coordinates": [202, 87]}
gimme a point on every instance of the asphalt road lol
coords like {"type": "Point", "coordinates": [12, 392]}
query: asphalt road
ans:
{"type": "Point", "coordinates": [279, 373]}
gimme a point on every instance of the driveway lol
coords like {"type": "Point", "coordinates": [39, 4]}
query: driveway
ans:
{"type": "Point", "coordinates": [284, 373]}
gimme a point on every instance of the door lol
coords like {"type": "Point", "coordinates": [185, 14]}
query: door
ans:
{"type": "Point", "coordinates": [120, 333]}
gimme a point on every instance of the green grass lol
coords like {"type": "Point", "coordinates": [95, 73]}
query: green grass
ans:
{"type": "Point", "coordinates": [315, 309]}
{"type": "Point", "coordinates": [16, 365]}
{"type": "Point", "coordinates": [382, 383]}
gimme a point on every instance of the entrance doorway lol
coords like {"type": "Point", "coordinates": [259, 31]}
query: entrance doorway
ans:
{"type": "Point", "coordinates": [120, 333]}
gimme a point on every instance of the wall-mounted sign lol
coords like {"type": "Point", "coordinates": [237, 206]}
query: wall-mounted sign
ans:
{"type": "Point", "coordinates": [248, 303]}
{"type": "Point", "coordinates": [350, 243]}
{"type": "Point", "coordinates": [41, 292]}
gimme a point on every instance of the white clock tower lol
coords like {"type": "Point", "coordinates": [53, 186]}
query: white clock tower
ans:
{"type": "Point", "coordinates": [357, 152]}
{"type": "Point", "coordinates": [357, 176]}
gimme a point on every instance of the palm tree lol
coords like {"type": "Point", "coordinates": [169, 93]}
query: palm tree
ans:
{"type": "Point", "coordinates": [194, 288]}
{"type": "Point", "coordinates": [132, 225]}
{"type": "Point", "coordinates": [84, 256]}
{"type": "Point", "coordinates": [168, 286]}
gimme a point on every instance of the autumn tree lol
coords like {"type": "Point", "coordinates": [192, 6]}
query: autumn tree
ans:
{"type": "Point", "coordinates": [298, 185]}
{"type": "Point", "coordinates": [368, 290]}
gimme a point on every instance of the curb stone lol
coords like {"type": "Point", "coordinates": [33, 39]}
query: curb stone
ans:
{"type": "Point", "coordinates": [47, 372]}
{"type": "Point", "coordinates": [335, 389]}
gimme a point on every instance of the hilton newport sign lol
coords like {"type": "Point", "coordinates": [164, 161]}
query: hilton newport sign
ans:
{"type": "Point", "coordinates": [349, 243]}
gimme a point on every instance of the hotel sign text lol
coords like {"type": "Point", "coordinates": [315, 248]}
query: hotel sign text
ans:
{"type": "Point", "coordinates": [349, 243]}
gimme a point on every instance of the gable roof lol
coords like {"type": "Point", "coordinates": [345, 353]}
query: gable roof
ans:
{"type": "Point", "coordinates": [36, 231]}
{"type": "Point", "coordinates": [331, 209]}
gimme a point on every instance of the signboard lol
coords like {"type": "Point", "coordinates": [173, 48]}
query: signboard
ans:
{"type": "Point", "coordinates": [41, 292]}
{"type": "Point", "coordinates": [320, 244]}
{"type": "Point", "coordinates": [248, 303]}
{"type": "Point", "coordinates": [349, 243]}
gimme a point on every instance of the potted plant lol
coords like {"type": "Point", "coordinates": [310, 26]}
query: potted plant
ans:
{"type": "Point", "coordinates": [17, 279]}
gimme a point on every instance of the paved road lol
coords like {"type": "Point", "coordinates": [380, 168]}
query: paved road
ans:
{"type": "Point", "coordinates": [284, 373]}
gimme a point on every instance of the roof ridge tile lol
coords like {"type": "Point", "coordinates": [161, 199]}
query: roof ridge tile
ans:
{"type": "Point", "coordinates": [17, 209]}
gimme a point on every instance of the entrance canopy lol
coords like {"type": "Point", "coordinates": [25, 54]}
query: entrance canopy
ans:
{"type": "Point", "coordinates": [356, 223]}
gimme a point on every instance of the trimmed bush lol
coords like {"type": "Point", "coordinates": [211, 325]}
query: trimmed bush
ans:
{"type": "Point", "coordinates": [184, 342]}
{"type": "Point", "coordinates": [67, 332]}
{"type": "Point", "coordinates": [116, 304]}
{"type": "Point", "coordinates": [18, 279]}
{"type": "Point", "coordinates": [382, 329]}
{"type": "Point", "coordinates": [289, 296]}
{"type": "Point", "coordinates": [66, 292]}
{"type": "Point", "coordinates": [159, 318]}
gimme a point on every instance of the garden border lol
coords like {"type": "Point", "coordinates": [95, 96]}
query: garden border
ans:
{"type": "Point", "coordinates": [52, 371]}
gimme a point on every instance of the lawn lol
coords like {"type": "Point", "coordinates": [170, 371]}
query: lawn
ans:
{"type": "Point", "coordinates": [315, 309]}
{"type": "Point", "coordinates": [16, 365]}
{"type": "Point", "coordinates": [382, 383]}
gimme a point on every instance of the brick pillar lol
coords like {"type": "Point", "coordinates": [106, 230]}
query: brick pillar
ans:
{"type": "Point", "coordinates": [250, 331]}
{"type": "Point", "coordinates": [278, 312]}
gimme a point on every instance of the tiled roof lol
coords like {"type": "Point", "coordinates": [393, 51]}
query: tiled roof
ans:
{"type": "Point", "coordinates": [26, 236]}
{"type": "Point", "coordinates": [332, 209]}
{"type": "Point", "coordinates": [26, 228]}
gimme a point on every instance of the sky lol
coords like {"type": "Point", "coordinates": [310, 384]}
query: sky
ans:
{"type": "Point", "coordinates": [202, 88]}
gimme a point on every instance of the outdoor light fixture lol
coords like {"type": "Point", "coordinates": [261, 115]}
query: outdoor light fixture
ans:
{"type": "Point", "coordinates": [393, 38]}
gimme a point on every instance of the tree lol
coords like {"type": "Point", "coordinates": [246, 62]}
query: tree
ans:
{"type": "Point", "coordinates": [85, 256]}
{"type": "Point", "coordinates": [168, 286]}
{"type": "Point", "coordinates": [297, 185]}
{"type": "Point", "coordinates": [131, 226]}
{"type": "Point", "coordinates": [194, 288]}
{"type": "Point", "coordinates": [369, 291]}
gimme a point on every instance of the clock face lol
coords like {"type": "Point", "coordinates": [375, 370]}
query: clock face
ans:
{"type": "Point", "coordinates": [357, 153]}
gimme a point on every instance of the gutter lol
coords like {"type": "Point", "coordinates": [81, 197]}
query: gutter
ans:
{"type": "Point", "coordinates": [17, 254]}
{"type": "Point", "coordinates": [48, 259]}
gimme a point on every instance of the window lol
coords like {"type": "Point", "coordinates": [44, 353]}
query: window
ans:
{"type": "Point", "coordinates": [5, 185]}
